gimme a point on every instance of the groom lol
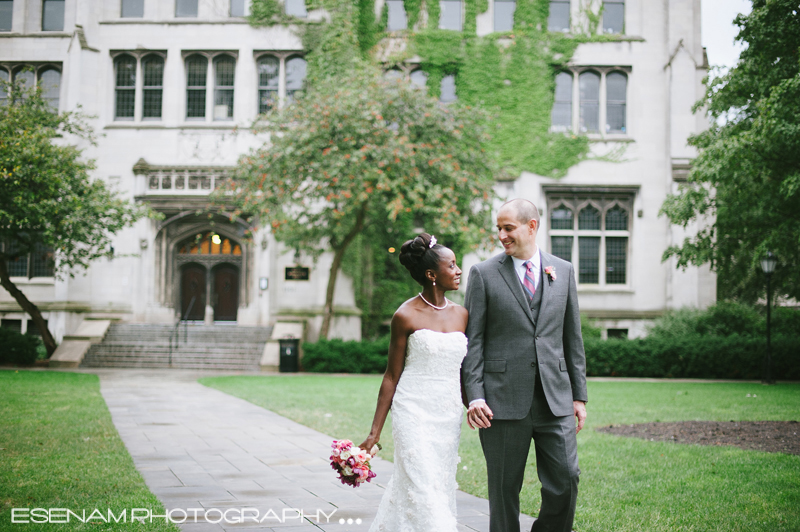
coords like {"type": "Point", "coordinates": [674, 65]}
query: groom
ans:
{"type": "Point", "coordinates": [525, 372]}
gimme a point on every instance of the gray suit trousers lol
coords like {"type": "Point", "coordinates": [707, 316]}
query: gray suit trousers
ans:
{"type": "Point", "coordinates": [506, 444]}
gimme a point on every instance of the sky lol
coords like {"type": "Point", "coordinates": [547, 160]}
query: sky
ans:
{"type": "Point", "coordinates": [719, 31]}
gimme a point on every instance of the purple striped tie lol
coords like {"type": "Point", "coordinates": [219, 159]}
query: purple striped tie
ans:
{"type": "Point", "coordinates": [528, 282]}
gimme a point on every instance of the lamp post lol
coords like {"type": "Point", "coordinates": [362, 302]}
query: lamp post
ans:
{"type": "Point", "coordinates": [768, 264]}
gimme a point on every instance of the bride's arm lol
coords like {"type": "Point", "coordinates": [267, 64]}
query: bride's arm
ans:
{"type": "Point", "coordinates": [397, 357]}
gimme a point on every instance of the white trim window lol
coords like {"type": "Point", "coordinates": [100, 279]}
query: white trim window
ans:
{"type": "Point", "coordinates": [451, 15]}
{"type": "Point", "coordinates": [614, 16]}
{"type": "Point", "coordinates": [504, 15]}
{"type": "Point", "coordinates": [38, 263]}
{"type": "Point", "coordinates": [186, 8]}
{"type": "Point", "coordinates": [396, 15]}
{"type": "Point", "coordinates": [594, 234]}
{"type": "Point", "coordinates": [558, 20]}
{"type": "Point", "coordinates": [53, 15]}
{"type": "Point", "coordinates": [131, 9]}
{"type": "Point", "coordinates": [6, 14]}
{"type": "Point", "coordinates": [600, 96]}
{"type": "Point", "coordinates": [281, 76]}
{"type": "Point", "coordinates": [220, 78]}
{"type": "Point", "coordinates": [138, 85]}
{"type": "Point", "coordinates": [47, 75]}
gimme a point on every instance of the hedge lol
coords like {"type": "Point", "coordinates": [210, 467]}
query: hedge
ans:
{"type": "Point", "coordinates": [338, 356]}
{"type": "Point", "coordinates": [689, 356]}
{"type": "Point", "coordinates": [693, 356]}
{"type": "Point", "coordinates": [16, 348]}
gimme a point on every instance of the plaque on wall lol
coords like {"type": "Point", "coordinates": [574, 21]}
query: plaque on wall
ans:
{"type": "Point", "coordinates": [296, 273]}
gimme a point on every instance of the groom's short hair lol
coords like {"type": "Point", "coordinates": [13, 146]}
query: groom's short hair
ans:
{"type": "Point", "coordinates": [524, 210]}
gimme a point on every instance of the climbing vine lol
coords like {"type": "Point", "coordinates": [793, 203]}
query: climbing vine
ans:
{"type": "Point", "coordinates": [510, 74]}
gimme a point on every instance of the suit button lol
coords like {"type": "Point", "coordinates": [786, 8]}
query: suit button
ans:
{"type": "Point", "coordinates": [533, 364]}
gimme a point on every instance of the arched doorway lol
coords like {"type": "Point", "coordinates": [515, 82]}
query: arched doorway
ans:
{"type": "Point", "coordinates": [225, 290]}
{"type": "Point", "coordinates": [193, 291]}
{"type": "Point", "coordinates": [214, 262]}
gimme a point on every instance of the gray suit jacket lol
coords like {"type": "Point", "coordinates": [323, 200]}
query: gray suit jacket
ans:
{"type": "Point", "coordinates": [508, 346]}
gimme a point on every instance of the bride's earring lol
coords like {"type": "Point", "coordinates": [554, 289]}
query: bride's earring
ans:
{"type": "Point", "coordinates": [434, 282]}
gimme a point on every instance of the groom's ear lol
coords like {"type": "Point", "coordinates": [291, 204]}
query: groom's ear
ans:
{"type": "Point", "coordinates": [534, 225]}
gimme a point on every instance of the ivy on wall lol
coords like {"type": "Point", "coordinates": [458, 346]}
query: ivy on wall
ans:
{"type": "Point", "coordinates": [510, 74]}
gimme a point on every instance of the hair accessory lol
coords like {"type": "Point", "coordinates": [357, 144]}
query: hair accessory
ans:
{"type": "Point", "coordinates": [433, 241]}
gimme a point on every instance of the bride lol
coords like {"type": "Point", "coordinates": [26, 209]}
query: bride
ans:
{"type": "Point", "coordinates": [422, 387]}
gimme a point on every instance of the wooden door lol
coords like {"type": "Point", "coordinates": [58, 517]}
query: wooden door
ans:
{"type": "Point", "coordinates": [193, 285]}
{"type": "Point", "coordinates": [226, 292]}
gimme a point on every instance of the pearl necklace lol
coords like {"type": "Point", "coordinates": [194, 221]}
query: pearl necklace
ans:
{"type": "Point", "coordinates": [446, 302]}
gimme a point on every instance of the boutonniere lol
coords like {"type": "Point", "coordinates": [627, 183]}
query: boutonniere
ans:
{"type": "Point", "coordinates": [551, 273]}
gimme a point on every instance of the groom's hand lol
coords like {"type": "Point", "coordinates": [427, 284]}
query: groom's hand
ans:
{"type": "Point", "coordinates": [479, 414]}
{"type": "Point", "coordinates": [580, 412]}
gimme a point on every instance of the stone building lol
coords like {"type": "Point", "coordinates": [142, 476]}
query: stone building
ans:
{"type": "Point", "coordinates": [174, 86]}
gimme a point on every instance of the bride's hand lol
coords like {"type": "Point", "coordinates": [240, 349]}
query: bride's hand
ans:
{"type": "Point", "coordinates": [369, 444]}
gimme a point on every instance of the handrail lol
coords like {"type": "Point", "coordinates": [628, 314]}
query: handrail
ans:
{"type": "Point", "coordinates": [175, 332]}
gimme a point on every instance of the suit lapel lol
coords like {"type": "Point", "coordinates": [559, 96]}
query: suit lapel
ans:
{"type": "Point", "coordinates": [546, 261]}
{"type": "Point", "coordinates": [506, 268]}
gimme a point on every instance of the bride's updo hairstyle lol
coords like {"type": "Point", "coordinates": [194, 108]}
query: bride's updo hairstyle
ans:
{"type": "Point", "coordinates": [417, 256]}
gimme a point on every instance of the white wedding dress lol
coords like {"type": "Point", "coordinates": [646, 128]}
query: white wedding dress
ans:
{"type": "Point", "coordinates": [426, 426]}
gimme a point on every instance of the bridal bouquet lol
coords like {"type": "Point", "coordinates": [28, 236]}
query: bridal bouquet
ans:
{"type": "Point", "coordinates": [351, 462]}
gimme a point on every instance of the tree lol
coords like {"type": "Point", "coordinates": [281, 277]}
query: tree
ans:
{"type": "Point", "coordinates": [47, 198]}
{"type": "Point", "coordinates": [747, 174]}
{"type": "Point", "coordinates": [358, 151]}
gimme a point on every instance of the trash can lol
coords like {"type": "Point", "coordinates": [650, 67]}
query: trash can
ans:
{"type": "Point", "coordinates": [290, 355]}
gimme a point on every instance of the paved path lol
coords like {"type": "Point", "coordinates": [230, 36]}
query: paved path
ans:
{"type": "Point", "coordinates": [199, 448]}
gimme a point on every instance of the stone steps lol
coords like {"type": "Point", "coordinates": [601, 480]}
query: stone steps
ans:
{"type": "Point", "coordinates": [198, 347]}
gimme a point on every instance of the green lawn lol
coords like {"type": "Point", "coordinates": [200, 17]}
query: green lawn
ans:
{"type": "Point", "coordinates": [59, 449]}
{"type": "Point", "coordinates": [626, 484]}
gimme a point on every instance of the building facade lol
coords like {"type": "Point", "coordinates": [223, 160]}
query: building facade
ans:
{"type": "Point", "coordinates": [173, 88]}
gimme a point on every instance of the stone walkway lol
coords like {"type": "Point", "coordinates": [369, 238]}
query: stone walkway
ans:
{"type": "Point", "coordinates": [198, 448]}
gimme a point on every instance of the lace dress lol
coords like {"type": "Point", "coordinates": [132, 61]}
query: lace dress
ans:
{"type": "Point", "coordinates": [426, 426]}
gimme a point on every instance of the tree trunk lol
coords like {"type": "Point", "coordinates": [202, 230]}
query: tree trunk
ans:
{"type": "Point", "coordinates": [334, 272]}
{"type": "Point", "coordinates": [30, 308]}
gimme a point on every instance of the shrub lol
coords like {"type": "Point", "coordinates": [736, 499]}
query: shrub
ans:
{"type": "Point", "coordinates": [16, 348]}
{"type": "Point", "coordinates": [693, 356]}
{"type": "Point", "coordinates": [338, 356]}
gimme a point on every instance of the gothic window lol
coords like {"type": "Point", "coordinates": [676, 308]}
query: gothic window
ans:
{"type": "Point", "coordinates": [598, 246]}
{"type": "Point", "coordinates": [209, 243]}
{"type": "Point", "coordinates": [504, 14]}
{"type": "Point", "coordinates": [448, 89]}
{"type": "Point", "coordinates": [4, 77]}
{"type": "Point", "coordinates": [419, 78]}
{"type": "Point", "coordinates": [393, 74]}
{"type": "Point", "coordinates": [450, 15]}
{"type": "Point", "coordinates": [37, 263]}
{"type": "Point", "coordinates": [268, 82]}
{"type": "Point", "coordinates": [125, 66]}
{"type": "Point", "coordinates": [196, 72]}
{"type": "Point", "coordinates": [614, 16]}
{"type": "Point", "coordinates": [224, 73]}
{"type": "Point", "coordinates": [559, 16]}
{"type": "Point", "coordinates": [589, 102]}
{"type": "Point", "coordinates": [50, 83]}
{"type": "Point", "coordinates": [153, 69]}
{"type": "Point", "coordinates": [396, 15]}
{"type": "Point", "coordinates": [616, 96]}
{"type": "Point", "coordinates": [295, 77]}
{"type": "Point", "coordinates": [562, 106]}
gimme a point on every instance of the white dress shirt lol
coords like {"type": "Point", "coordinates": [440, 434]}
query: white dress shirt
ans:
{"type": "Point", "coordinates": [519, 268]}
{"type": "Point", "coordinates": [537, 266]}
